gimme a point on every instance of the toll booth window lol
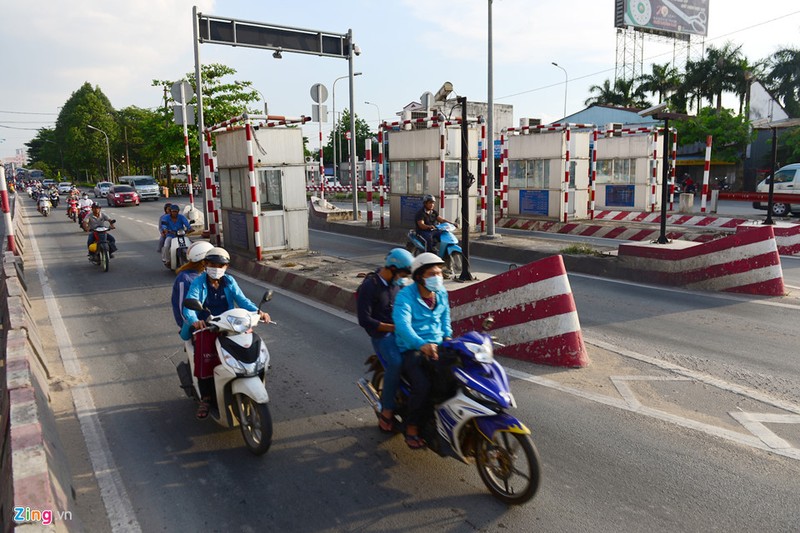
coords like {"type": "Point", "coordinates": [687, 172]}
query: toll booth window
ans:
{"type": "Point", "coordinates": [269, 189]}
{"type": "Point", "coordinates": [615, 171]}
{"type": "Point", "coordinates": [452, 176]}
{"type": "Point", "coordinates": [416, 177]}
{"type": "Point", "coordinates": [572, 168]}
{"type": "Point", "coordinates": [398, 174]}
{"type": "Point", "coordinates": [231, 188]}
{"type": "Point", "coordinates": [529, 173]}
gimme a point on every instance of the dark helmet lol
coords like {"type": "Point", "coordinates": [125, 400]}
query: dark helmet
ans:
{"type": "Point", "coordinates": [428, 198]}
{"type": "Point", "coordinates": [175, 207]}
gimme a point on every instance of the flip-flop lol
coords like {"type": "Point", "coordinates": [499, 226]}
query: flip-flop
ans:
{"type": "Point", "coordinates": [386, 420]}
{"type": "Point", "coordinates": [202, 410]}
{"type": "Point", "coordinates": [415, 442]}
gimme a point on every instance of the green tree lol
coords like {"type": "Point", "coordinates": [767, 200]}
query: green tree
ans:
{"type": "Point", "coordinates": [662, 80]}
{"type": "Point", "coordinates": [624, 93]}
{"type": "Point", "coordinates": [731, 132]}
{"type": "Point", "coordinates": [783, 78]}
{"type": "Point", "coordinates": [362, 132]}
{"type": "Point", "coordinates": [789, 145]}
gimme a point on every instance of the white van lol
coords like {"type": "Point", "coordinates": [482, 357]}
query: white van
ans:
{"type": "Point", "coordinates": [146, 186]}
{"type": "Point", "coordinates": [787, 181]}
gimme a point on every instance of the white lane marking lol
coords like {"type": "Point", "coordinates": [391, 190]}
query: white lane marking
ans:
{"type": "Point", "coordinates": [625, 402]}
{"type": "Point", "coordinates": [754, 422]}
{"type": "Point", "coordinates": [620, 382]}
{"type": "Point", "coordinates": [115, 498]}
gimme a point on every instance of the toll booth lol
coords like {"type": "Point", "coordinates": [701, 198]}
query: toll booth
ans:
{"type": "Point", "coordinates": [546, 171]}
{"type": "Point", "coordinates": [629, 169]}
{"type": "Point", "coordinates": [426, 159]}
{"type": "Point", "coordinates": [263, 209]}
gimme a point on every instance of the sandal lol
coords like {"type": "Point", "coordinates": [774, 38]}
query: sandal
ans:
{"type": "Point", "coordinates": [202, 410]}
{"type": "Point", "coordinates": [386, 424]}
{"type": "Point", "coordinates": [415, 442]}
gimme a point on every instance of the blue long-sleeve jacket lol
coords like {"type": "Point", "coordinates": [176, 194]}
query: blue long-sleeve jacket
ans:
{"type": "Point", "coordinates": [415, 323]}
{"type": "Point", "coordinates": [199, 290]}
{"type": "Point", "coordinates": [179, 290]}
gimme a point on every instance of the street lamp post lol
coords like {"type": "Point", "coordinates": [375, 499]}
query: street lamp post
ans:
{"type": "Point", "coordinates": [60, 151]}
{"type": "Point", "coordinates": [108, 149]}
{"type": "Point", "coordinates": [566, 83]}
{"type": "Point", "coordinates": [336, 140]}
{"type": "Point", "coordinates": [379, 112]}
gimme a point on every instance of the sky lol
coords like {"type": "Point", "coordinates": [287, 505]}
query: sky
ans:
{"type": "Point", "coordinates": [50, 48]}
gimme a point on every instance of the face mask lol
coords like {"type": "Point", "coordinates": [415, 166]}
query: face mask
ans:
{"type": "Point", "coordinates": [434, 283]}
{"type": "Point", "coordinates": [402, 282]}
{"type": "Point", "coordinates": [216, 272]}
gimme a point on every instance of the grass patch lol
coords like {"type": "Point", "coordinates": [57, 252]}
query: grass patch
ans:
{"type": "Point", "coordinates": [580, 249]}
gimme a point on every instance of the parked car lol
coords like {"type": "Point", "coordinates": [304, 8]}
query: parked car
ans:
{"type": "Point", "coordinates": [787, 181]}
{"type": "Point", "coordinates": [64, 187]}
{"type": "Point", "coordinates": [101, 189]}
{"type": "Point", "coordinates": [119, 195]}
{"type": "Point", "coordinates": [146, 186]}
{"type": "Point", "coordinates": [47, 183]}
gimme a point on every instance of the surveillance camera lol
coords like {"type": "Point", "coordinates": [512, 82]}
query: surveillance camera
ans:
{"type": "Point", "coordinates": [658, 108]}
{"type": "Point", "coordinates": [356, 50]}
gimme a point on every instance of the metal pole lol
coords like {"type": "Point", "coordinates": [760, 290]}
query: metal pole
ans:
{"type": "Point", "coordinates": [662, 236]}
{"type": "Point", "coordinates": [336, 140]}
{"type": "Point", "coordinates": [108, 149]}
{"type": "Point", "coordinates": [353, 157]}
{"type": "Point", "coordinates": [490, 141]}
{"type": "Point", "coordinates": [769, 221]}
{"type": "Point", "coordinates": [465, 273]}
{"type": "Point", "coordinates": [566, 83]}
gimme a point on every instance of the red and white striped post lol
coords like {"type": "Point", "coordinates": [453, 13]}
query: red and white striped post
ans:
{"type": "Point", "coordinates": [706, 171]}
{"type": "Point", "coordinates": [503, 174]}
{"type": "Point", "coordinates": [567, 139]}
{"type": "Point", "coordinates": [483, 187]}
{"type": "Point", "coordinates": [654, 172]}
{"type": "Point", "coordinates": [368, 177]}
{"type": "Point", "coordinates": [441, 166]}
{"type": "Point", "coordinates": [381, 186]}
{"type": "Point", "coordinates": [206, 151]}
{"type": "Point", "coordinates": [593, 174]}
{"type": "Point", "coordinates": [251, 173]}
{"type": "Point", "coordinates": [12, 245]}
{"type": "Point", "coordinates": [186, 146]}
{"type": "Point", "coordinates": [673, 170]}
{"type": "Point", "coordinates": [321, 162]}
{"type": "Point", "coordinates": [215, 194]}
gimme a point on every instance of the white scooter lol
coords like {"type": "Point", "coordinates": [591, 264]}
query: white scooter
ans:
{"type": "Point", "coordinates": [178, 246]}
{"type": "Point", "coordinates": [44, 205]}
{"type": "Point", "coordinates": [240, 377]}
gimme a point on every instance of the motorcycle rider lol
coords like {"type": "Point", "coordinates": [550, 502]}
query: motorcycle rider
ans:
{"type": "Point", "coordinates": [169, 226]}
{"type": "Point", "coordinates": [186, 274]}
{"type": "Point", "coordinates": [84, 201]}
{"type": "Point", "coordinates": [375, 300]}
{"type": "Point", "coordinates": [161, 220]}
{"type": "Point", "coordinates": [96, 219]}
{"type": "Point", "coordinates": [218, 292]}
{"type": "Point", "coordinates": [42, 201]}
{"type": "Point", "coordinates": [421, 316]}
{"type": "Point", "coordinates": [426, 219]}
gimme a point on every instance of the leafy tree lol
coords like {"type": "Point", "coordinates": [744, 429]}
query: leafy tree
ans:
{"type": "Point", "coordinates": [789, 145]}
{"type": "Point", "coordinates": [661, 80]}
{"type": "Point", "coordinates": [731, 132]}
{"type": "Point", "coordinates": [362, 133]}
{"type": "Point", "coordinates": [783, 78]}
{"type": "Point", "coordinates": [623, 94]}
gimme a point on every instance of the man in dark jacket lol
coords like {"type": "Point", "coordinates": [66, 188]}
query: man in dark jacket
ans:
{"type": "Point", "coordinates": [426, 220]}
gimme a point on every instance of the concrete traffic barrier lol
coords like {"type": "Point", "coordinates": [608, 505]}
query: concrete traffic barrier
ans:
{"type": "Point", "coordinates": [745, 262]}
{"type": "Point", "coordinates": [787, 235]}
{"type": "Point", "coordinates": [534, 313]}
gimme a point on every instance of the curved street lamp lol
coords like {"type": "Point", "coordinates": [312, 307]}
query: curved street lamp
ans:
{"type": "Point", "coordinates": [566, 82]}
{"type": "Point", "coordinates": [108, 148]}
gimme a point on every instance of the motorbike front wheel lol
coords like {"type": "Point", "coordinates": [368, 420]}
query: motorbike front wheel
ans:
{"type": "Point", "coordinates": [256, 423]}
{"type": "Point", "coordinates": [509, 466]}
{"type": "Point", "coordinates": [104, 260]}
{"type": "Point", "coordinates": [456, 263]}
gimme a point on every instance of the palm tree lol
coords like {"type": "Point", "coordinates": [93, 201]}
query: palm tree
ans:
{"type": "Point", "coordinates": [622, 94]}
{"type": "Point", "coordinates": [605, 95]}
{"type": "Point", "coordinates": [724, 70]}
{"type": "Point", "coordinates": [661, 80]}
{"type": "Point", "coordinates": [783, 78]}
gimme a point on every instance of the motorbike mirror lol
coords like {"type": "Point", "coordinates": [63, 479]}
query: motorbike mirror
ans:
{"type": "Point", "coordinates": [267, 296]}
{"type": "Point", "coordinates": [191, 221]}
{"type": "Point", "coordinates": [113, 221]}
{"type": "Point", "coordinates": [488, 322]}
{"type": "Point", "coordinates": [193, 304]}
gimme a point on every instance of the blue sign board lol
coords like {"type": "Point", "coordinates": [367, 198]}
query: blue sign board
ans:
{"type": "Point", "coordinates": [498, 149]}
{"type": "Point", "coordinates": [533, 202]}
{"type": "Point", "coordinates": [236, 231]}
{"type": "Point", "coordinates": [619, 195]}
{"type": "Point", "coordinates": [409, 205]}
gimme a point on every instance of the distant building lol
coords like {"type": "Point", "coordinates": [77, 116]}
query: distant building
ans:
{"type": "Point", "coordinates": [602, 115]}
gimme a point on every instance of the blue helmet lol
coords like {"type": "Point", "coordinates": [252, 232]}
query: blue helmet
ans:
{"type": "Point", "coordinates": [399, 258]}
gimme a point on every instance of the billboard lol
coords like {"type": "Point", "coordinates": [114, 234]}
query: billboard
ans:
{"type": "Point", "coordinates": [663, 16]}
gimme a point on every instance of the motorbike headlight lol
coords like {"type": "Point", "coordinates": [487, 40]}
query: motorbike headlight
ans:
{"type": "Point", "coordinates": [484, 353]}
{"type": "Point", "coordinates": [239, 324]}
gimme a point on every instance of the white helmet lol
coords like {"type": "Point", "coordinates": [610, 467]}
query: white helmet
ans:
{"type": "Point", "coordinates": [198, 250]}
{"type": "Point", "coordinates": [424, 260]}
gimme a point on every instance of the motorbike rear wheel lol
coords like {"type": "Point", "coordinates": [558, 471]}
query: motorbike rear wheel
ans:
{"type": "Point", "coordinates": [509, 466]}
{"type": "Point", "coordinates": [255, 422]}
{"type": "Point", "coordinates": [456, 263]}
{"type": "Point", "coordinates": [104, 260]}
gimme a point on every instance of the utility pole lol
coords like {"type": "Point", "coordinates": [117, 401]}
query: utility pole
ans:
{"type": "Point", "coordinates": [166, 125]}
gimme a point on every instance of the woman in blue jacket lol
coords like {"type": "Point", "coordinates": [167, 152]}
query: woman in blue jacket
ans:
{"type": "Point", "coordinates": [196, 255]}
{"type": "Point", "coordinates": [218, 292]}
{"type": "Point", "coordinates": [421, 317]}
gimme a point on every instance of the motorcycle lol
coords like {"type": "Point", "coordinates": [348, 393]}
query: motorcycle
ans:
{"type": "Point", "coordinates": [72, 210]}
{"type": "Point", "coordinates": [44, 205]}
{"type": "Point", "coordinates": [82, 214]}
{"type": "Point", "coordinates": [54, 198]}
{"type": "Point", "coordinates": [240, 393]}
{"type": "Point", "coordinates": [99, 252]}
{"type": "Point", "coordinates": [179, 244]}
{"type": "Point", "coordinates": [445, 246]}
{"type": "Point", "coordinates": [469, 419]}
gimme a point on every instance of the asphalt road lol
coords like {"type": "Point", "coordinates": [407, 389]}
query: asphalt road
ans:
{"type": "Point", "coordinates": [607, 466]}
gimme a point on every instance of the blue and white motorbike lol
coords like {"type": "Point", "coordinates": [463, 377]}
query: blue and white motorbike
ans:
{"type": "Point", "coordinates": [445, 245]}
{"type": "Point", "coordinates": [469, 419]}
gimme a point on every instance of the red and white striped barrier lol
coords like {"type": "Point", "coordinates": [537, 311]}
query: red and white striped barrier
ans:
{"type": "Point", "coordinates": [534, 312]}
{"type": "Point", "coordinates": [746, 262]}
{"type": "Point", "coordinates": [381, 182]}
{"type": "Point", "coordinates": [706, 169]}
{"type": "Point", "coordinates": [482, 220]}
{"type": "Point", "coordinates": [251, 174]}
{"type": "Point", "coordinates": [700, 221]}
{"type": "Point", "coordinates": [787, 235]}
{"type": "Point", "coordinates": [368, 178]}
{"type": "Point", "coordinates": [12, 246]}
{"type": "Point", "coordinates": [565, 207]}
{"type": "Point", "coordinates": [593, 175]}
{"type": "Point", "coordinates": [674, 157]}
{"type": "Point", "coordinates": [442, 153]}
{"type": "Point", "coordinates": [654, 172]}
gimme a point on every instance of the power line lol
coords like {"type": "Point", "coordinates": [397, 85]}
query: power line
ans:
{"type": "Point", "coordinates": [649, 58]}
{"type": "Point", "coordinates": [26, 113]}
{"type": "Point", "coordinates": [15, 128]}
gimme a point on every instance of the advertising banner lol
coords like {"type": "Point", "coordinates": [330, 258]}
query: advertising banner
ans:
{"type": "Point", "coordinates": [668, 16]}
